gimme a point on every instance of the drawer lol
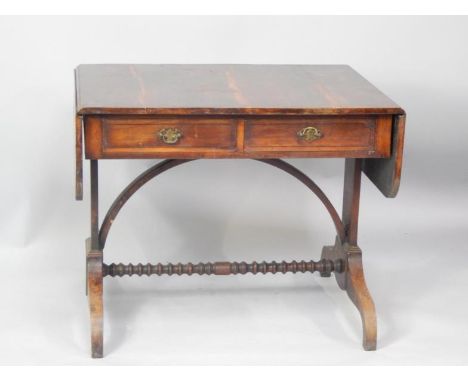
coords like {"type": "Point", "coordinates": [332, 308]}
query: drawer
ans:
{"type": "Point", "coordinates": [158, 137]}
{"type": "Point", "coordinates": [224, 137]}
{"type": "Point", "coordinates": [326, 136]}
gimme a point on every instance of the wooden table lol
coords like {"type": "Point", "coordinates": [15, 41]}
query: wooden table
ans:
{"type": "Point", "coordinates": [264, 112]}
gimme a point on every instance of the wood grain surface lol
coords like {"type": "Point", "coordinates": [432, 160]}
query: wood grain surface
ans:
{"type": "Point", "coordinates": [227, 89]}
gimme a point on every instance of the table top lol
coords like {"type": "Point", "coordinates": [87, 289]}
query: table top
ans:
{"type": "Point", "coordinates": [227, 90]}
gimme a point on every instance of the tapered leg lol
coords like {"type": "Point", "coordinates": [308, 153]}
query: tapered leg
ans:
{"type": "Point", "coordinates": [352, 279]}
{"type": "Point", "coordinates": [357, 290]}
{"type": "Point", "coordinates": [95, 288]}
{"type": "Point", "coordinates": [94, 267]}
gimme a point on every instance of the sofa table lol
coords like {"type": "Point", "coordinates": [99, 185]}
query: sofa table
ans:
{"type": "Point", "coordinates": [180, 113]}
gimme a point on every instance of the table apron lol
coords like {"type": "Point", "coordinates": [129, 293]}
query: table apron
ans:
{"type": "Point", "coordinates": [112, 137]}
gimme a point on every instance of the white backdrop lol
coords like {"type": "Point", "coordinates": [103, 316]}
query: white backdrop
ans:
{"type": "Point", "coordinates": [415, 247]}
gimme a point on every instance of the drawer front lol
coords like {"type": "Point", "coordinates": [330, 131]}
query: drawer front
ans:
{"type": "Point", "coordinates": [146, 137]}
{"type": "Point", "coordinates": [369, 136]}
{"type": "Point", "coordinates": [252, 137]}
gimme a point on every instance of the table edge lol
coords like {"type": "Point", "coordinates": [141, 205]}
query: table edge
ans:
{"type": "Point", "coordinates": [239, 111]}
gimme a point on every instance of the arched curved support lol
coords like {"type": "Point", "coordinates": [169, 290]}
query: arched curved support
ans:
{"type": "Point", "coordinates": [311, 185]}
{"type": "Point", "coordinates": [133, 187]}
{"type": "Point", "coordinates": [165, 165]}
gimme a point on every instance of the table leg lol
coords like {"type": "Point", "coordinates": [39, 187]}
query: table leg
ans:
{"type": "Point", "coordinates": [352, 279]}
{"type": "Point", "coordinates": [94, 261]}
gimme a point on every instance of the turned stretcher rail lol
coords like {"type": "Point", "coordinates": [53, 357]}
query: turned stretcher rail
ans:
{"type": "Point", "coordinates": [324, 267]}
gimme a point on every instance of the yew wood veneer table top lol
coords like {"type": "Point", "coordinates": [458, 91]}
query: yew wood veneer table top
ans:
{"type": "Point", "coordinates": [227, 89]}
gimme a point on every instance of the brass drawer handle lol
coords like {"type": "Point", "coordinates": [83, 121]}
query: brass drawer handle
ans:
{"type": "Point", "coordinates": [170, 135]}
{"type": "Point", "coordinates": [309, 133]}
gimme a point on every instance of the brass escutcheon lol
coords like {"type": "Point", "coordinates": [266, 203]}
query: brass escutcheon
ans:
{"type": "Point", "coordinates": [170, 135]}
{"type": "Point", "coordinates": [309, 133]}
